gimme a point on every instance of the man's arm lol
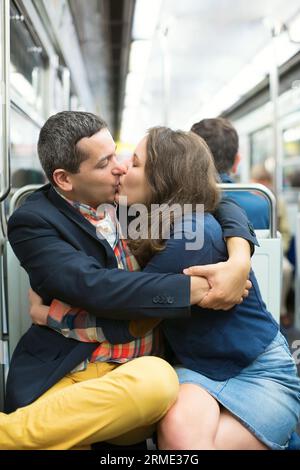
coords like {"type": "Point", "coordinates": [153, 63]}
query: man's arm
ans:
{"type": "Point", "coordinates": [58, 270]}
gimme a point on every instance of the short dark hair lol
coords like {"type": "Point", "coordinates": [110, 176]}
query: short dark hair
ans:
{"type": "Point", "coordinates": [59, 136]}
{"type": "Point", "coordinates": [222, 139]}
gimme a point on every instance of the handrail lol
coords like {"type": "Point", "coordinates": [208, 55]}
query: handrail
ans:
{"type": "Point", "coordinates": [5, 103]}
{"type": "Point", "coordinates": [20, 193]}
{"type": "Point", "coordinates": [267, 193]}
{"type": "Point", "coordinates": [223, 186]}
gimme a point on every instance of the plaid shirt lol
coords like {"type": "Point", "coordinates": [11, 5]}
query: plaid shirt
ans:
{"type": "Point", "coordinates": [80, 325]}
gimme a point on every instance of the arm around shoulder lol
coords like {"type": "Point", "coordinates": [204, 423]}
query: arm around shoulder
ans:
{"type": "Point", "coordinates": [57, 269]}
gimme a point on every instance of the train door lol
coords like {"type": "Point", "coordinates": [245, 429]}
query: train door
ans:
{"type": "Point", "coordinates": [5, 182]}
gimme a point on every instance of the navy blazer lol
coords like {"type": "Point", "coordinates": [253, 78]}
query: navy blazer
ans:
{"type": "Point", "coordinates": [65, 259]}
{"type": "Point", "coordinates": [216, 343]}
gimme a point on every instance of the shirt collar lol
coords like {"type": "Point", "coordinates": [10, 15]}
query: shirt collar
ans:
{"type": "Point", "coordinates": [225, 178]}
{"type": "Point", "coordinates": [90, 212]}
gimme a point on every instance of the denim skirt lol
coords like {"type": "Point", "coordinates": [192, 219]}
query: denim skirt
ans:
{"type": "Point", "coordinates": [264, 396]}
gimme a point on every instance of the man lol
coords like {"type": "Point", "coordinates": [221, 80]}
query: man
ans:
{"type": "Point", "coordinates": [55, 242]}
{"type": "Point", "coordinates": [223, 141]}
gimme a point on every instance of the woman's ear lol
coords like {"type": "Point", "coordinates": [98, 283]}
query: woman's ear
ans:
{"type": "Point", "coordinates": [62, 180]}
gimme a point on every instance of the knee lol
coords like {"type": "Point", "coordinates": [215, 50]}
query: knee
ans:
{"type": "Point", "coordinates": [176, 433]}
{"type": "Point", "coordinates": [171, 429]}
{"type": "Point", "coordinates": [158, 386]}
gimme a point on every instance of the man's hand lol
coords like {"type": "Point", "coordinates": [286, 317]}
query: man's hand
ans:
{"type": "Point", "coordinates": [38, 311]}
{"type": "Point", "coordinates": [199, 289]}
{"type": "Point", "coordinates": [228, 281]}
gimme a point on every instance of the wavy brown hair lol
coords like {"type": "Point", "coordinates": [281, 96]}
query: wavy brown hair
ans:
{"type": "Point", "coordinates": [179, 170]}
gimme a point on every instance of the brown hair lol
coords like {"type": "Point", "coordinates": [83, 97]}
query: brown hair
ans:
{"type": "Point", "coordinates": [179, 170]}
{"type": "Point", "coordinates": [222, 139]}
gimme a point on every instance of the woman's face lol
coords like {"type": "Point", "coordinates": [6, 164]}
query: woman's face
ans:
{"type": "Point", "coordinates": [133, 184]}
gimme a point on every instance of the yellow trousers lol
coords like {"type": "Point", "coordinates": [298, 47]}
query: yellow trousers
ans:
{"type": "Point", "coordinates": [106, 402]}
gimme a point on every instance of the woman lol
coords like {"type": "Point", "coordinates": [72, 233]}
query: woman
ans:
{"type": "Point", "coordinates": [239, 385]}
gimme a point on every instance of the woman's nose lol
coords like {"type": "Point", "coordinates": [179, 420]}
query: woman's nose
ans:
{"type": "Point", "coordinates": [128, 162]}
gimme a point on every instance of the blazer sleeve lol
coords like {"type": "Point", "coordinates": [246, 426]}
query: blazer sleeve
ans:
{"type": "Point", "coordinates": [58, 270]}
{"type": "Point", "coordinates": [175, 257]}
{"type": "Point", "coordinates": [234, 222]}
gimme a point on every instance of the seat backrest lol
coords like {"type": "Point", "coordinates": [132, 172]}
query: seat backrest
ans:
{"type": "Point", "coordinates": [267, 266]}
{"type": "Point", "coordinates": [267, 259]}
{"type": "Point", "coordinates": [17, 280]}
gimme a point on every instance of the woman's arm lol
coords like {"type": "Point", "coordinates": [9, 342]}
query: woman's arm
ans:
{"type": "Point", "coordinates": [234, 222]}
{"type": "Point", "coordinates": [228, 280]}
{"type": "Point", "coordinates": [71, 322]}
{"type": "Point", "coordinates": [76, 323]}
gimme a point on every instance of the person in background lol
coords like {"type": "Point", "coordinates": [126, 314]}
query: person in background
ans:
{"type": "Point", "coordinates": [223, 142]}
{"type": "Point", "coordinates": [24, 176]}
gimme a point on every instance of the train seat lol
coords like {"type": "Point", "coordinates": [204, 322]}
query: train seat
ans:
{"type": "Point", "coordinates": [267, 266]}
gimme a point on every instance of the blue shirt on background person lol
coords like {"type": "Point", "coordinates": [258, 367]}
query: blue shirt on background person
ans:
{"type": "Point", "coordinates": [255, 206]}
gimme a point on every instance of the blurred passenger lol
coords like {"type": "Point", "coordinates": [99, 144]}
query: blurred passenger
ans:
{"type": "Point", "coordinates": [66, 236]}
{"type": "Point", "coordinates": [239, 386]}
{"type": "Point", "coordinates": [223, 141]}
{"type": "Point", "coordinates": [259, 174]}
{"type": "Point", "coordinates": [24, 176]}
{"type": "Point", "coordinates": [294, 179]}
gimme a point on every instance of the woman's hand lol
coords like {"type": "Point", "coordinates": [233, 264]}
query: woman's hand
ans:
{"type": "Point", "coordinates": [38, 311]}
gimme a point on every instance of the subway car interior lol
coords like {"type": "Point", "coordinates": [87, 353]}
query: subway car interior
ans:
{"type": "Point", "coordinates": [145, 63]}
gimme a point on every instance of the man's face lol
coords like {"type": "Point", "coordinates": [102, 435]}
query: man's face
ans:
{"type": "Point", "coordinates": [98, 177]}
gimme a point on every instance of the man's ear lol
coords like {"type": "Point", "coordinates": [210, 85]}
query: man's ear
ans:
{"type": "Point", "coordinates": [62, 180]}
{"type": "Point", "coordinates": [235, 165]}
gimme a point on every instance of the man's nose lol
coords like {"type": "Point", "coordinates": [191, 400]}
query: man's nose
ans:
{"type": "Point", "coordinates": [120, 168]}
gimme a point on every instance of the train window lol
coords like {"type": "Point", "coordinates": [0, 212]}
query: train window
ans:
{"type": "Point", "coordinates": [261, 143]}
{"type": "Point", "coordinates": [25, 166]}
{"type": "Point", "coordinates": [27, 63]}
{"type": "Point", "coordinates": [58, 98]}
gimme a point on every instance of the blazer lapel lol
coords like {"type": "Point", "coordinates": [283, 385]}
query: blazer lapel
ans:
{"type": "Point", "coordinates": [70, 212]}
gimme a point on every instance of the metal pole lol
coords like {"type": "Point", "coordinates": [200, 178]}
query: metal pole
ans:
{"type": "Point", "coordinates": [5, 98]}
{"type": "Point", "coordinates": [265, 192]}
{"type": "Point", "coordinates": [274, 93]}
{"type": "Point", "coordinates": [165, 74]}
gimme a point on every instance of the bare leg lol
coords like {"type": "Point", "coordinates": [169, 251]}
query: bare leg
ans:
{"type": "Point", "coordinates": [195, 421]}
{"type": "Point", "coordinates": [192, 422]}
{"type": "Point", "coordinates": [232, 435]}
